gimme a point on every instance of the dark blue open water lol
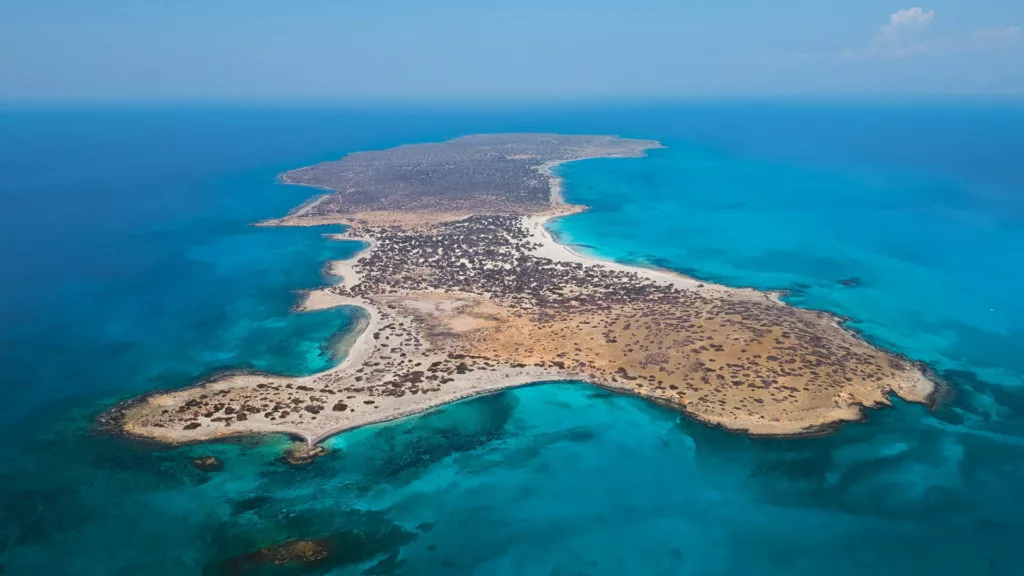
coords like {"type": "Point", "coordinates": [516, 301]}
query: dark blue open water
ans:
{"type": "Point", "coordinates": [128, 265]}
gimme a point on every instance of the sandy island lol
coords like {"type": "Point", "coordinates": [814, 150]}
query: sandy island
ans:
{"type": "Point", "coordinates": [467, 293]}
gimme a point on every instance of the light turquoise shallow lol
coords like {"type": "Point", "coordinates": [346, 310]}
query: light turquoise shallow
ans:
{"type": "Point", "coordinates": [130, 266]}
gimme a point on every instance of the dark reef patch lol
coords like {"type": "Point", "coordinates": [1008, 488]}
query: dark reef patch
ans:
{"type": "Point", "coordinates": [208, 463]}
{"type": "Point", "coordinates": [250, 504]}
{"type": "Point", "coordinates": [300, 543]}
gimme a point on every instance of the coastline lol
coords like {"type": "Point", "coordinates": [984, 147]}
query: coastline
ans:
{"type": "Point", "coordinates": [543, 246]}
{"type": "Point", "coordinates": [551, 248]}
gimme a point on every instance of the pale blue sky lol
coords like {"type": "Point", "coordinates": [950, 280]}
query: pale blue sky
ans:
{"type": "Point", "coordinates": [401, 49]}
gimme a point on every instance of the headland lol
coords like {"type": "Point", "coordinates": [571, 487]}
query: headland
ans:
{"type": "Point", "coordinates": [466, 293]}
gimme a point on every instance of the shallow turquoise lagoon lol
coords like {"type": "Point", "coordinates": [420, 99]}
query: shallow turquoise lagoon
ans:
{"type": "Point", "coordinates": [129, 265]}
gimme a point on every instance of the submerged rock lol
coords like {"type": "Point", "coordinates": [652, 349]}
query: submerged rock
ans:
{"type": "Point", "coordinates": [301, 454]}
{"type": "Point", "coordinates": [850, 282]}
{"type": "Point", "coordinates": [208, 463]}
{"type": "Point", "coordinates": [294, 552]}
{"type": "Point", "coordinates": [250, 504]}
{"type": "Point", "coordinates": [368, 535]}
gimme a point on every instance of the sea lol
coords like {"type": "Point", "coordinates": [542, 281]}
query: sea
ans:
{"type": "Point", "coordinates": [129, 263]}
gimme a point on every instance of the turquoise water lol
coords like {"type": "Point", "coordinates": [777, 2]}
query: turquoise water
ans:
{"type": "Point", "coordinates": [129, 265]}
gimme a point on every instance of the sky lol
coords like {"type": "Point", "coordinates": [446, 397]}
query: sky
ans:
{"type": "Point", "coordinates": [320, 50]}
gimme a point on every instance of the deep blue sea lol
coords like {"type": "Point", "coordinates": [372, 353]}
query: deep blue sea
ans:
{"type": "Point", "coordinates": [128, 264]}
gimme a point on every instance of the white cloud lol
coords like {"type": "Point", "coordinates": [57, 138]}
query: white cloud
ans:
{"type": "Point", "coordinates": [901, 36]}
{"type": "Point", "coordinates": [909, 18]}
{"type": "Point", "coordinates": [906, 35]}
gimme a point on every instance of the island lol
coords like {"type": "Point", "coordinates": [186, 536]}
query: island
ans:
{"type": "Point", "coordinates": [464, 292]}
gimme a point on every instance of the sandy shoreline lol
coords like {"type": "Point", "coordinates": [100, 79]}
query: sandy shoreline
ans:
{"type": "Point", "coordinates": [551, 248]}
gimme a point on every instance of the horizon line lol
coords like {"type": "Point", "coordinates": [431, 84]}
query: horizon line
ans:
{"type": "Point", "coordinates": [488, 102]}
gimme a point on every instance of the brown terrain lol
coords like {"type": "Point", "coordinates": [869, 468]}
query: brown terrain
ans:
{"type": "Point", "coordinates": [466, 293]}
